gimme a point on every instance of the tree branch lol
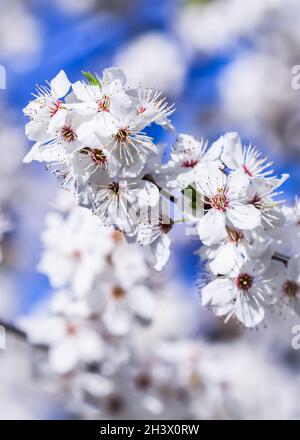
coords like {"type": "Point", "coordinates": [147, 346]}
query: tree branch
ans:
{"type": "Point", "coordinates": [20, 334]}
{"type": "Point", "coordinates": [11, 328]}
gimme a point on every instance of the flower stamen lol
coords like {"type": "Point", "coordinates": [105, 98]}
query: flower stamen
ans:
{"type": "Point", "coordinates": [244, 282]}
{"type": "Point", "coordinates": [68, 133]}
{"type": "Point", "coordinates": [290, 288]}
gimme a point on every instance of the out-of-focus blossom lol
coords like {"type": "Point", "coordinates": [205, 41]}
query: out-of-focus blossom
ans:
{"type": "Point", "coordinates": [79, 257]}
{"type": "Point", "coordinates": [18, 47]}
{"type": "Point", "coordinates": [217, 25]}
{"type": "Point", "coordinates": [244, 291]}
{"type": "Point", "coordinates": [254, 103]}
{"type": "Point", "coordinates": [155, 61]}
{"type": "Point", "coordinates": [12, 147]}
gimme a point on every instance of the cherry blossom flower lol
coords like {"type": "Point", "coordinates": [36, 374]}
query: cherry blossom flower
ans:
{"type": "Point", "coordinates": [46, 111]}
{"type": "Point", "coordinates": [244, 292]}
{"type": "Point", "coordinates": [120, 307]}
{"type": "Point", "coordinates": [189, 157]}
{"type": "Point", "coordinates": [246, 160]}
{"type": "Point", "coordinates": [118, 202]}
{"type": "Point", "coordinates": [227, 206]}
{"type": "Point", "coordinates": [70, 341]}
{"type": "Point", "coordinates": [155, 235]}
{"type": "Point", "coordinates": [78, 258]}
{"type": "Point", "coordinates": [289, 294]}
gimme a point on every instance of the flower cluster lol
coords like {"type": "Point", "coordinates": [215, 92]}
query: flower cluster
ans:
{"type": "Point", "coordinates": [100, 332]}
{"type": "Point", "coordinates": [94, 136]}
{"type": "Point", "coordinates": [107, 342]}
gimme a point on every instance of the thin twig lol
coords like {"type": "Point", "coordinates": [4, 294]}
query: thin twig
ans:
{"type": "Point", "coordinates": [280, 257]}
{"type": "Point", "coordinates": [20, 334]}
{"type": "Point", "coordinates": [13, 329]}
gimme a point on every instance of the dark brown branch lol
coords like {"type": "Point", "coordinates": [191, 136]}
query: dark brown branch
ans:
{"type": "Point", "coordinates": [280, 257]}
{"type": "Point", "coordinates": [11, 328]}
{"type": "Point", "coordinates": [20, 334]}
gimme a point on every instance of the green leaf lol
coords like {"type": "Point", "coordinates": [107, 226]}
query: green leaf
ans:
{"type": "Point", "coordinates": [196, 2]}
{"type": "Point", "coordinates": [93, 81]}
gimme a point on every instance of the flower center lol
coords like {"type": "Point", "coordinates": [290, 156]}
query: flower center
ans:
{"type": "Point", "coordinates": [195, 380]}
{"type": "Point", "coordinates": [244, 281]}
{"type": "Point", "coordinates": [56, 106]}
{"type": "Point", "coordinates": [104, 104]}
{"type": "Point", "coordinates": [234, 236]}
{"type": "Point", "coordinates": [114, 404]}
{"type": "Point", "coordinates": [114, 187]}
{"type": "Point", "coordinates": [143, 381]}
{"type": "Point", "coordinates": [219, 201]}
{"type": "Point", "coordinates": [76, 255]}
{"type": "Point", "coordinates": [117, 236]}
{"type": "Point", "coordinates": [118, 293]}
{"type": "Point", "coordinates": [71, 329]}
{"type": "Point", "coordinates": [256, 201]}
{"type": "Point", "coordinates": [290, 288]}
{"type": "Point", "coordinates": [246, 171]}
{"type": "Point", "coordinates": [165, 224]}
{"type": "Point", "coordinates": [141, 110]}
{"type": "Point", "coordinates": [98, 156]}
{"type": "Point", "coordinates": [190, 163]}
{"type": "Point", "coordinates": [122, 135]}
{"type": "Point", "coordinates": [68, 133]}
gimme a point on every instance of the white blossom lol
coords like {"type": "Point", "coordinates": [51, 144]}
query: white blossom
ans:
{"type": "Point", "coordinates": [243, 292]}
{"type": "Point", "coordinates": [46, 111]}
{"type": "Point", "coordinates": [73, 254]}
{"type": "Point", "coordinates": [227, 203]}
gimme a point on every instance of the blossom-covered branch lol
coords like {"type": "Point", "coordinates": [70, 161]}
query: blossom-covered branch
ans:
{"type": "Point", "coordinates": [93, 136]}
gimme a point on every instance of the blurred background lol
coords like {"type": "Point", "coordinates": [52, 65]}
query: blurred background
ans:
{"type": "Point", "coordinates": [228, 66]}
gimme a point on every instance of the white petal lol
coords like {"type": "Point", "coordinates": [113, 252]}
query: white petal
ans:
{"type": "Point", "coordinates": [147, 194]}
{"type": "Point", "coordinates": [293, 269]}
{"type": "Point", "coordinates": [43, 330]}
{"type": "Point", "coordinates": [161, 250]}
{"type": "Point", "coordinates": [41, 153]}
{"type": "Point", "coordinates": [210, 179]}
{"type": "Point", "coordinates": [116, 318]}
{"type": "Point", "coordinates": [142, 302]}
{"type": "Point", "coordinates": [89, 346]}
{"type": "Point", "coordinates": [81, 91]}
{"type": "Point", "coordinates": [63, 356]}
{"type": "Point", "coordinates": [217, 293]}
{"type": "Point", "coordinates": [248, 311]}
{"type": "Point", "coordinates": [232, 154]}
{"type": "Point", "coordinates": [32, 154]}
{"type": "Point", "coordinates": [215, 150]}
{"type": "Point", "coordinates": [36, 130]}
{"type": "Point", "coordinates": [60, 85]}
{"type": "Point", "coordinates": [226, 258]}
{"type": "Point", "coordinates": [295, 303]}
{"type": "Point", "coordinates": [57, 120]}
{"type": "Point", "coordinates": [114, 74]}
{"type": "Point", "coordinates": [211, 227]}
{"type": "Point", "coordinates": [244, 216]}
{"type": "Point", "coordinates": [238, 182]}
